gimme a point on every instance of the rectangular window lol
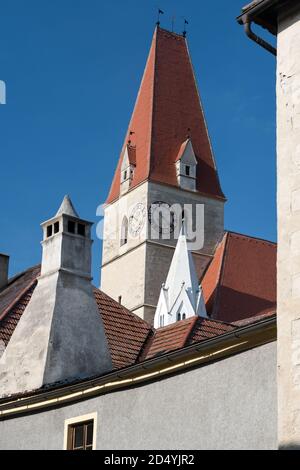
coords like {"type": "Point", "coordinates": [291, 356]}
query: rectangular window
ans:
{"type": "Point", "coordinates": [56, 227]}
{"type": "Point", "coordinates": [187, 170]}
{"type": "Point", "coordinates": [80, 432]}
{"type": "Point", "coordinates": [80, 436]}
{"type": "Point", "coordinates": [81, 230]}
{"type": "Point", "coordinates": [49, 231]}
{"type": "Point", "coordinates": [71, 226]}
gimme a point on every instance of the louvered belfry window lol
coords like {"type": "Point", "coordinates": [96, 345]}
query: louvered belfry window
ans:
{"type": "Point", "coordinates": [80, 436]}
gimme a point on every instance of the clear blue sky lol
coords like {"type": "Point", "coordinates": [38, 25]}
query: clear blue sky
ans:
{"type": "Point", "coordinates": [72, 70]}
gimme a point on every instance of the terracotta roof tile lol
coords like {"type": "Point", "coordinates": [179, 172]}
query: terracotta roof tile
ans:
{"type": "Point", "coordinates": [167, 109]}
{"type": "Point", "coordinates": [206, 328]}
{"type": "Point", "coordinates": [168, 338]}
{"type": "Point", "coordinates": [11, 319]}
{"type": "Point", "coordinates": [255, 319]}
{"type": "Point", "coordinates": [15, 288]}
{"type": "Point", "coordinates": [241, 280]}
{"type": "Point", "coordinates": [183, 333]}
{"type": "Point", "coordinates": [212, 275]}
{"type": "Point", "coordinates": [239, 285]}
{"type": "Point", "coordinates": [126, 333]}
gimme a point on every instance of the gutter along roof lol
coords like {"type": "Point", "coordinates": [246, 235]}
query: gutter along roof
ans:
{"type": "Point", "coordinates": [264, 13]}
{"type": "Point", "coordinates": [212, 349]}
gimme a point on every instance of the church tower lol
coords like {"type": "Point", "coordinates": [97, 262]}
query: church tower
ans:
{"type": "Point", "coordinates": [166, 160]}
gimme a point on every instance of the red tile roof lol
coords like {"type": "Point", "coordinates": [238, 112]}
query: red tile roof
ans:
{"type": "Point", "coordinates": [206, 328]}
{"type": "Point", "coordinates": [167, 110]}
{"type": "Point", "coordinates": [183, 333]}
{"type": "Point", "coordinates": [126, 333]}
{"type": "Point", "coordinates": [255, 319]}
{"type": "Point", "coordinates": [240, 282]}
{"type": "Point", "coordinates": [169, 338]}
{"type": "Point", "coordinates": [239, 289]}
{"type": "Point", "coordinates": [130, 338]}
{"type": "Point", "coordinates": [12, 317]}
{"type": "Point", "coordinates": [15, 289]}
{"type": "Point", "coordinates": [131, 154]}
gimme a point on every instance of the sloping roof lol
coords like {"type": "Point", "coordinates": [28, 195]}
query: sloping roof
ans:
{"type": "Point", "coordinates": [240, 282]}
{"type": "Point", "coordinates": [126, 333]}
{"type": "Point", "coordinates": [167, 110]}
{"type": "Point", "coordinates": [183, 333]}
{"type": "Point", "coordinates": [131, 154]}
{"type": "Point", "coordinates": [239, 288]}
{"type": "Point", "coordinates": [16, 288]}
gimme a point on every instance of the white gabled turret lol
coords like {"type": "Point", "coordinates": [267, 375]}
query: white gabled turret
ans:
{"type": "Point", "coordinates": [181, 296]}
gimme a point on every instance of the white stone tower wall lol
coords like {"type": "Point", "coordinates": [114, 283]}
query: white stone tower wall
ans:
{"type": "Point", "coordinates": [288, 206]}
{"type": "Point", "coordinates": [136, 271]}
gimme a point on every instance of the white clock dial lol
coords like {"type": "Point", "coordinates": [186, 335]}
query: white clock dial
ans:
{"type": "Point", "coordinates": [161, 217]}
{"type": "Point", "coordinates": [137, 219]}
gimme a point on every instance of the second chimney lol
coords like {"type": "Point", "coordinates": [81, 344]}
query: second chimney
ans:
{"type": "Point", "coordinates": [4, 261]}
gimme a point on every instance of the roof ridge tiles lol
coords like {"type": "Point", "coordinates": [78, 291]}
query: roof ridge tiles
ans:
{"type": "Point", "coordinates": [251, 238]}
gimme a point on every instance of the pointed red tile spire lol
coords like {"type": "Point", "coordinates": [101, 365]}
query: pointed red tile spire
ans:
{"type": "Point", "coordinates": [168, 110]}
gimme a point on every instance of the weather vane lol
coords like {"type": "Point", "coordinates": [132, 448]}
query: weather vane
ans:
{"type": "Point", "coordinates": [159, 12]}
{"type": "Point", "coordinates": [184, 27]}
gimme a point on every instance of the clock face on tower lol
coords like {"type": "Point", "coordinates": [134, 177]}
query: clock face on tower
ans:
{"type": "Point", "coordinates": [161, 218]}
{"type": "Point", "coordinates": [137, 219]}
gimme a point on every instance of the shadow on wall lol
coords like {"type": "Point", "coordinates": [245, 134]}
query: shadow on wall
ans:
{"type": "Point", "coordinates": [231, 305]}
{"type": "Point", "coordinates": [290, 446]}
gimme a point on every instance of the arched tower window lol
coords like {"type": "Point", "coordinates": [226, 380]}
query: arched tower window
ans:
{"type": "Point", "coordinates": [124, 231]}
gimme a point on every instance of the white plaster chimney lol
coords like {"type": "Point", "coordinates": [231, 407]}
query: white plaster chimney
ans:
{"type": "Point", "coordinates": [4, 262]}
{"type": "Point", "coordinates": [60, 336]}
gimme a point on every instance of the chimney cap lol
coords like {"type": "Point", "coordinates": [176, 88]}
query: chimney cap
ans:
{"type": "Point", "coordinates": [67, 208]}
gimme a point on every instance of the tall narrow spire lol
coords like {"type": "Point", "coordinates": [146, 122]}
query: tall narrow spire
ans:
{"type": "Point", "coordinates": [168, 104]}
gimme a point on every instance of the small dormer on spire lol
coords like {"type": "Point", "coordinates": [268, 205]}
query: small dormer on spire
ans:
{"type": "Point", "coordinates": [127, 167]}
{"type": "Point", "coordinates": [181, 295]}
{"type": "Point", "coordinates": [186, 166]}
